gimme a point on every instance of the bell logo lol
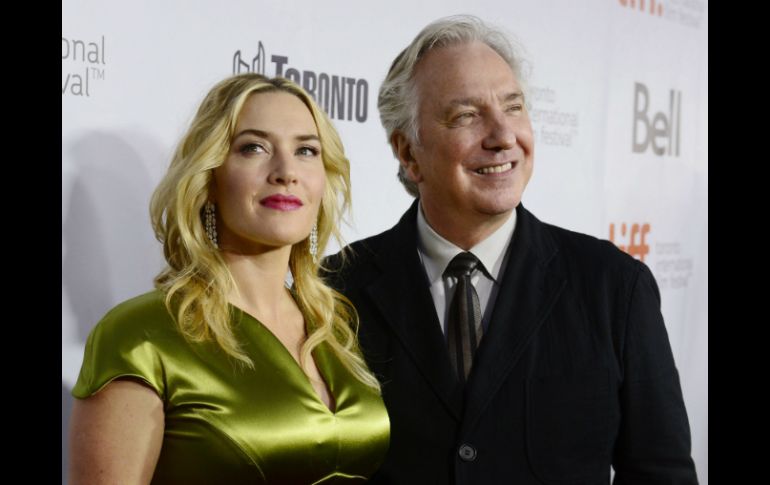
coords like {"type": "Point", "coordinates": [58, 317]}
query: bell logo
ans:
{"type": "Point", "coordinates": [636, 245]}
{"type": "Point", "coordinates": [656, 8]}
{"type": "Point", "coordinates": [662, 132]}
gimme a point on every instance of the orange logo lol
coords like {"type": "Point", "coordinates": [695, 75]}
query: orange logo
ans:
{"type": "Point", "coordinates": [636, 245]}
{"type": "Point", "coordinates": [656, 8]}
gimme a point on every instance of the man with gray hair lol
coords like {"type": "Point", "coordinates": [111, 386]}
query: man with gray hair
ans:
{"type": "Point", "coordinates": [509, 350]}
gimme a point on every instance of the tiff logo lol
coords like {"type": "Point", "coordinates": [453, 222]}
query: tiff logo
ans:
{"type": "Point", "coordinates": [661, 133]}
{"type": "Point", "coordinates": [257, 62]}
{"type": "Point", "coordinates": [656, 8]}
{"type": "Point", "coordinates": [341, 97]}
{"type": "Point", "coordinates": [635, 244]}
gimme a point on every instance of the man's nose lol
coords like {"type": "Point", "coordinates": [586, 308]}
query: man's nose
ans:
{"type": "Point", "coordinates": [500, 132]}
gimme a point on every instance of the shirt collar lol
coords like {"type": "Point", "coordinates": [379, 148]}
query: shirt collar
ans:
{"type": "Point", "coordinates": [437, 252]}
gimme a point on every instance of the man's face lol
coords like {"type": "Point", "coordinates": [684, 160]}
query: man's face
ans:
{"type": "Point", "coordinates": [474, 156]}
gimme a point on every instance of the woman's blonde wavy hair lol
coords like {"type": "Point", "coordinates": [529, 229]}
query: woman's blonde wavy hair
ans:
{"type": "Point", "coordinates": [196, 281]}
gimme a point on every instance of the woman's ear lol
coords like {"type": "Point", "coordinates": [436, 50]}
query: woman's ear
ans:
{"type": "Point", "coordinates": [212, 195]}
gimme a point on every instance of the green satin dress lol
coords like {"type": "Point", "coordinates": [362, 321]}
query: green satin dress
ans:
{"type": "Point", "coordinates": [225, 423]}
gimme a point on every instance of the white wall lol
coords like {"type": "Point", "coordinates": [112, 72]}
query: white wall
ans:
{"type": "Point", "coordinates": [603, 73]}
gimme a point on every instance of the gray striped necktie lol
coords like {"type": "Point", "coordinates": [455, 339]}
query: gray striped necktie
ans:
{"type": "Point", "coordinates": [464, 320]}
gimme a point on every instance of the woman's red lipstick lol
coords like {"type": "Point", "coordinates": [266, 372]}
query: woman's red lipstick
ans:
{"type": "Point", "coordinates": [282, 202]}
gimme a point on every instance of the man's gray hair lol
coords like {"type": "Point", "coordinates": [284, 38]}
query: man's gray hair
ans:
{"type": "Point", "coordinates": [397, 100]}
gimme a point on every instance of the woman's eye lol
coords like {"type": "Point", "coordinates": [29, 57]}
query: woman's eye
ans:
{"type": "Point", "coordinates": [308, 151]}
{"type": "Point", "coordinates": [252, 148]}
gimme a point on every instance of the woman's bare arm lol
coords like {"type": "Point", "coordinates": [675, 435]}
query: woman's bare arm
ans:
{"type": "Point", "coordinates": [116, 435]}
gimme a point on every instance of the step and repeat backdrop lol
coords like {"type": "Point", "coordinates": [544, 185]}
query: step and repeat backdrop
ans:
{"type": "Point", "coordinates": [619, 106]}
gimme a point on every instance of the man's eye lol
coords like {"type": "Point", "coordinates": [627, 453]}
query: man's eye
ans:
{"type": "Point", "coordinates": [464, 117]}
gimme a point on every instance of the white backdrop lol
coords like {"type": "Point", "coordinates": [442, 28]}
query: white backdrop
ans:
{"type": "Point", "coordinates": [619, 92]}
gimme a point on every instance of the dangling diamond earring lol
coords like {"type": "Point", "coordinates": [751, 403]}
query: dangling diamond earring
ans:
{"type": "Point", "coordinates": [210, 221]}
{"type": "Point", "coordinates": [314, 243]}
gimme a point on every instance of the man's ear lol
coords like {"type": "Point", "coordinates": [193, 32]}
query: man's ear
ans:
{"type": "Point", "coordinates": [404, 150]}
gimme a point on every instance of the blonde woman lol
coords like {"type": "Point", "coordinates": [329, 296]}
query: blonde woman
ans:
{"type": "Point", "coordinates": [223, 374]}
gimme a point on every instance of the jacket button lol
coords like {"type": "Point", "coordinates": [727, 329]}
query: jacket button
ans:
{"type": "Point", "coordinates": [467, 453]}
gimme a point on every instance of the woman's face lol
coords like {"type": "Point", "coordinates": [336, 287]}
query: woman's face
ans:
{"type": "Point", "coordinates": [269, 189]}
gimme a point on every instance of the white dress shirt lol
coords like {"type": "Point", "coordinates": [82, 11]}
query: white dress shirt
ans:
{"type": "Point", "coordinates": [436, 253]}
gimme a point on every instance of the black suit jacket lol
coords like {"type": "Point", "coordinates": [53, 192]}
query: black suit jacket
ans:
{"type": "Point", "coordinates": [574, 374]}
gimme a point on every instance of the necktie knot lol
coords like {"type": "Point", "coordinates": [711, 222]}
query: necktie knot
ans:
{"type": "Point", "coordinates": [462, 265]}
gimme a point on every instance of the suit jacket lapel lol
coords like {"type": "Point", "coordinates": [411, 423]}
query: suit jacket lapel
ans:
{"type": "Point", "coordinates": [402, 295]}
{"type": "Point", "coordinates": [527, 294]}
